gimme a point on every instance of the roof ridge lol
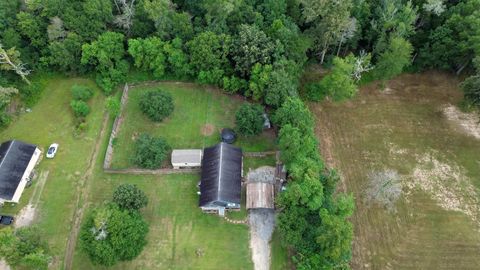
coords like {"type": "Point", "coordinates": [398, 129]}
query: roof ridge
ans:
{"type": "Point", "coordinates": [220, 171]}
{"type": "Point", "coordinates": [6, 153]}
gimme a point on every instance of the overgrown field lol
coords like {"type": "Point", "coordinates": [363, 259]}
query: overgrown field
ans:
{"type": "Point", "coordinates": [426, 213]}
{"type": "Point", "coordinates": [199, 115]}
{"type": "Point", "coordinates": [51, 120]}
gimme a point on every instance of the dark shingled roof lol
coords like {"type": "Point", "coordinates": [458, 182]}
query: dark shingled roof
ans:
{"type": "Point", "coordinates": [221, 174]}
{"type": "Point", "coordinates": [14, 159]}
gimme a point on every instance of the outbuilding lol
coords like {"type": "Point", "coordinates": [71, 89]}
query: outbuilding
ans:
{"type": "Point", "coordinates": [186, 158]}
{"type": "Point", "coordinates": [17, 161]}
{"type": "Point", "coordinates": [260, 195]}
{"type": "Point", "coordinates": [221, 178]}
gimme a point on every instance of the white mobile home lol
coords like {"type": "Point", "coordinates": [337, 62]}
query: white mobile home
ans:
{"type": "Point", "coordinates": [17, 161]}
{"type": "Point", "coordinates": [186, 158]}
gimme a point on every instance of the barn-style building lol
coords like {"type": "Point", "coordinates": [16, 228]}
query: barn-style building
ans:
{"type": "Point", "coordinates": [221, 178]}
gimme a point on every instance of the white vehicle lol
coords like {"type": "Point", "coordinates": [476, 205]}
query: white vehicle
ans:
{"type": "Point", "coordinates": [52, 150]}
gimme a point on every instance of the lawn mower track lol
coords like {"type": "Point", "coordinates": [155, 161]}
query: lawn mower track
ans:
{"type": "Point", "coordinates": [82, 197]}
{"type": "Point", "coordinates": [381, 130]}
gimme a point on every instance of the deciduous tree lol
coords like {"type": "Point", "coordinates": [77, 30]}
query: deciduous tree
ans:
{"type": "Point", "coordinates": [110, 234]}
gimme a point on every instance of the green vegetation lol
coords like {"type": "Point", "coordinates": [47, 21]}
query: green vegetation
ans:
{"type": "Point", "coordinates": [200, 113]}
{"type": "Point", "coordinates": [130, 197]}
{"type": "Point", "coordinates": [51, 122]}
{"type": "Point", "coordinates": [110, 234]}
{"type": "Point", "coordinates": [81, 92]}
{"type": "Point", "coordinates": [80, 108]}
{"type": "Point", "coordinates": [113, 106]}
{"type": "Point", "coordinates": [156, 104]}
{"type": "Point", "coordinates": [254, 48]}
{"type": "Point", "coordinates": [408, 131]}
{"type": "Point", "coordinates": [180, 235]}
{"type": "Point", "coordinates": [150, 151]}
{"type": "Point", "coordinates": [249, 119]}
{"type": "Point", "coordinates": [24, 248]}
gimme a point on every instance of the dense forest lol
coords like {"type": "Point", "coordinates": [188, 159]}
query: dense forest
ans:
{"type": "Point", "coordinates": [257, 49]}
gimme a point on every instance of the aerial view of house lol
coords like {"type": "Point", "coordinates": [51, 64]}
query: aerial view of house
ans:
{"type": "Point", "coordinates": [17, 162]}
{"type": "Point", "coordinates": [234, 134]}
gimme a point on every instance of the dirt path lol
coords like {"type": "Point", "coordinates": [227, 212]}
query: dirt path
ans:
{"type": "Point", "coordinates": [28, 213]}
{"type": "Point", "coordinates": [262, 224]}
{"type": "Point", "coordinates": [82, 198]}
{"type": "Point", "coordinates": [261, 221]}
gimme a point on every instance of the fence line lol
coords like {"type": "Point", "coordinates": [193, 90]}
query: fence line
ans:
{"type": "Point", "coordinates": [150, 172]}
{"type": "Point", "coordinates": [107, 162]}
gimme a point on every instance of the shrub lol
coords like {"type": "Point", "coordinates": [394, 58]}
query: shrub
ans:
{"type": "Point", "coordinates": [24, 248]}
{"type": "Point", "coordinates": [113, 106]}
{"type": "Point", "coordinates": [81, 92]}
{"type": "Point", "coordinates": [111, 234]}
{"type": "Point", "coordinates": [150, 151]}
{"type": "Point", "coordinates": [233, 84]}
{"type": "Point", "coordinates": [156, 104]}
{"type": "Point", "coordinates": [249, 119]}
{"type": "Point", "coordinates": [80, 108]}
{"type": "Point", "coordinates": [471, 89]}
{"type": "Point", "coordinates": [315, 92]}
{"type": "Point", "coordinates": [130, 197]}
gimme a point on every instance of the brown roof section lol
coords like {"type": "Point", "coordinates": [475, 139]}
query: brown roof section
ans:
{"type": "Point", "coordinates": [260, 195]}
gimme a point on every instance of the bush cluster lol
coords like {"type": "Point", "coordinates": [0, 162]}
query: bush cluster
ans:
{"type": "Point", "coordinates": [249, 119]}
{"type": "Point", "coordinates": [81, 94]}
{"type": "Point", "coordinates": [156, 104]}
{"type": "Point", "coordinates": [150, 151]}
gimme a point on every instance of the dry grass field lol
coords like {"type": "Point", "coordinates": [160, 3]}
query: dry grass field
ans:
{"type": "Point", "coordinates": [413, 129]}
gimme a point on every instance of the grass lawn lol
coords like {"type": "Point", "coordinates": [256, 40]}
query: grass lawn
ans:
{"type": "Point", "coordinates": [199, 115]}
{"type": "Point", "coordinates": [51, 120]}
{"type": "Point", "coordinates": [178, 229]}
{"type": "Point", "coordinates": [405, 128]}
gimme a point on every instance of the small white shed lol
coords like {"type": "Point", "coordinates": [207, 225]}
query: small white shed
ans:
{"type": "Point", "coordinates": [186, 158]}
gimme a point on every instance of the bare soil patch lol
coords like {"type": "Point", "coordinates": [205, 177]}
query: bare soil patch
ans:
{"type": "Point", "coordinates": [207, 130]}
{"type": "Point", "coordinates": [4, 265]}
{"type": "Point", "coordinates": [27, 214]}
{"type": "Point", "coordinates": [467, 122]}
{"type": "Point", "coordinates": [447, 184]}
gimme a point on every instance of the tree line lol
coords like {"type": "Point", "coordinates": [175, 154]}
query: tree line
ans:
{"type": "Point", "coordinates": [254, 48]}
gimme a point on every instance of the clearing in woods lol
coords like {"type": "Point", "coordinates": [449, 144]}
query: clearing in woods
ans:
{"type": "Point", "coordinates": [413, 133]}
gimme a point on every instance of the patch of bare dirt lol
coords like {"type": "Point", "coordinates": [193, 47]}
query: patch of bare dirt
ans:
{"type": "Point", "coordinates": [4, 265]}
{"type": "Point", "coordinates": [208, 129]}
{"type": "Point", "coordinates": [27, 214]}
{"type": "Point", "coordinates": [468, 122]}
{"type": "Point", "coordinates": [447, 184]}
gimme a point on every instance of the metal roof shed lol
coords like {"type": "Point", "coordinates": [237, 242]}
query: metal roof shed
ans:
{"type": "Point", "coordinates": [221, 178]}
{"type": "Point", "coordinates": [260, 195]}
{"type": "Point", "coordinates": [186, 158]}
{"type": "Point", "coordinates": [17, 161]}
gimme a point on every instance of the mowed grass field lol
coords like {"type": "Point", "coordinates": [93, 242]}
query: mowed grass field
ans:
{"type": "Point", "coordinates": [52, 121]}
{"type": "Point", "coordinates": [408, 128]}
{"type": "Point", "coordinates": [180, 236]}
{"type": "Point", "coordinates": [199, 115]}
